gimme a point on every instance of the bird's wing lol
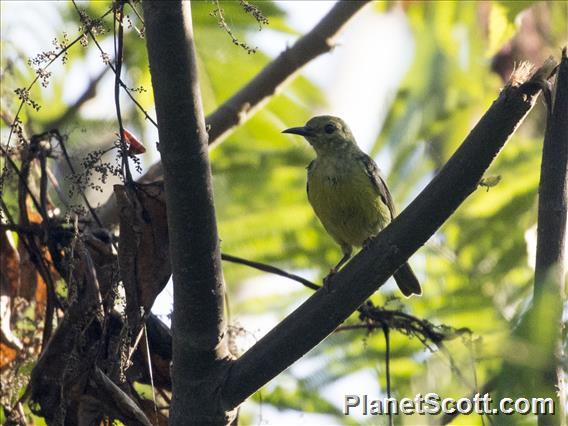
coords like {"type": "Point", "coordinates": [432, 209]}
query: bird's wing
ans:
{"type": "Point", "coordinates": [378, 182]}
{"type": "Point", "coordinates": [308, 181]}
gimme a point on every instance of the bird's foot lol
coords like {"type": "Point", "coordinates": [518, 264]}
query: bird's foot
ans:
{"type": "Point", "coordinates": [367, 242]}
{"type": "Point", "coordinates": [327, 280]}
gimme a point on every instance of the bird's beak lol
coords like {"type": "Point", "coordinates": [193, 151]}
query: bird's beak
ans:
{"type": "Point", "coordinates": [302, 131]}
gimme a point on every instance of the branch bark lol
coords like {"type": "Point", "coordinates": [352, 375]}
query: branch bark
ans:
{"type": "Point", "coordinates": [550, 272]}
{"type": "Point", "coordinates": [553, 192]}
{"type": "Point", "coordinates": [316, 318]}
{"type": "Point", "coordinates": [199, 340]}
{"type": "Point", "coordinates": [114, 400]}
{"type": "Point", "coordinates": [530, 354]}
{"type": "Point", "coordinates": [243, 104]}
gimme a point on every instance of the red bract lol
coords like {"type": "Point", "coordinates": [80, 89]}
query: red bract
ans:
{"type": "Point", "coordinates": [135, 146]}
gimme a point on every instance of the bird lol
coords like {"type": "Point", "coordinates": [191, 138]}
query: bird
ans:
{"type": "Point", "coordinates": [347, 192]}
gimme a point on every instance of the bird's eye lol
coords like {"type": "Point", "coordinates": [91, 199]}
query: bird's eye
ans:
{"type": "Point", "coordinates": [329, 128]}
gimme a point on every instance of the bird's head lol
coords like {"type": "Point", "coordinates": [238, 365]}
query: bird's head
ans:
{"type": "Point", "coordinates": [326, 134]}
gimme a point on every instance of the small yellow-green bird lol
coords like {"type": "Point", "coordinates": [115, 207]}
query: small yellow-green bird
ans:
{"type": "Point", "coordinates": [347, 192]}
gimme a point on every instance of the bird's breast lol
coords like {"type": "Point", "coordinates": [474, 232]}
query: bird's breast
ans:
{"type": "Point", "coordinates": [346, 202]}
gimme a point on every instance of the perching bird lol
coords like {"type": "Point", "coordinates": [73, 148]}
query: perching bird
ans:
{"type": "Point", "coordinates": [347, 193]}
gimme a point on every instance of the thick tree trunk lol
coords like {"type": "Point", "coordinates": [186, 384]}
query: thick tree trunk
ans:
{"type": "Point", "coordinates": [200, 350]}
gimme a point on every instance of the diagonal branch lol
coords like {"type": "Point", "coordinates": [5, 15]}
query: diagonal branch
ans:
{"type": "Point", "coordinates": [114, 400]}
{"type": "Point", "coordinates": [316, 318]}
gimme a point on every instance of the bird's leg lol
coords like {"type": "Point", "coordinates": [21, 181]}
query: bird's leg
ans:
{"type": "Point", "coordinates": [345, 258]}
{"type": "Point", "coordinates": [368, 241]}
{"type": "Point", "coordinates": [347, 250]}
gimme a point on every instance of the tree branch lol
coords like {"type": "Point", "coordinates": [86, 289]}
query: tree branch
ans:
{"type": "Point", "coordinates": [316, 318]}
{"type": "Point", "coordinates": [200, 349]}
{"type": "Point", "coordinates": [115, 401]}
{"type": "Point", "coordinates": [549, 291]}
{"type": "Point", "coordinates": [270, 269]}
{"type": "Point", "coordinates": [553, 188]}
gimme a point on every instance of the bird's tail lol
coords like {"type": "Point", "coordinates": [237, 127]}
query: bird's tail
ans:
{"type": "Point", "coordinates": [407, 281]}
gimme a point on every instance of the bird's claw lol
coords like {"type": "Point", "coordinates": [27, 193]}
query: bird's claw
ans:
{"type": "Point", "coordinates": [367, 242]}
{"type": "Point", "coordinates": [327, 280]}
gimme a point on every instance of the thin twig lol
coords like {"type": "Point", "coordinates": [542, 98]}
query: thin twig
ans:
{"type": "Point", "coordinates": [81, 191]}
{"type": "Point", "coordinates": [136, 12]}
{"type": "Point", "coordinates": [150, 371]}
{"type": "Point", "coordinates": [118, 48]}
{"type": "Point", "coordinates": [57, 188]}
{"type": "Point", "coordinates": [164, 395]}
{"type": "Point", "coordinates": [51, 297]}
{"type": "Point", "coordinates": [33, 250]}
{"type": "Point", "coordinates": [269, 268]}
{"type": "Point", "coordinates": [122, 84]}
{"type": "Point", "coordinates": [23, 181]}
{"type": "Point", "coordinates": [43, 186]}
{"type": "Point", "coordinates": [220, 15]}
{"type": "Point", "coordinates": [37, 77]}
